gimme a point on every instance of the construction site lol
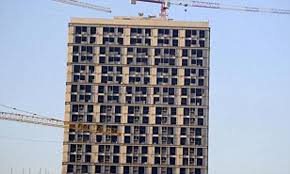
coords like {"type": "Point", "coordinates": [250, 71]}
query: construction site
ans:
{"type": "Point", "coordinates": [137, 94]}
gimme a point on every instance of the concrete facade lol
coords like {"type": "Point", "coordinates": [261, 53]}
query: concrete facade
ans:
{"type": "Point", "coordinates": [137, 96]}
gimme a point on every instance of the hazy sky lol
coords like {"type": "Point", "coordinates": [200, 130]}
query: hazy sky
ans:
{"type": "Point", "coordinates": [249, 82]}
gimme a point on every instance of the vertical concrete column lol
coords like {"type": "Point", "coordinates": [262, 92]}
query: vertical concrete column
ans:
{"type": "Point", "coordinates": [65, 153]}
{"type": "Point", "coordinates": [177, 135]}
{"type": "Point", "coordinates": [70, 34]}
{"type": "Point", "coordinates": [149, 135]}
{"type": "Point", "coordinates": [122, 154]}
{"type": "Point", "coordinates": [124, 114]}
{"type": "Point", "coordinates": [96, 55]}
{"type": "Point", "coordinates": [70, 52]}
{"type": "Point", "coordinates": [179, 57]}
{"type": "Point", "coordinates": [64, 167]}
{"type": "Point", "coordinates": [126, 36]}
{"type": "Point", "coordinates": [179, 116]}
{"type": "Point", "coordinates": [69, 74]}
{"type": "Point", "coordinates": [180, 80]}
{"type": "Point", "coordinates": [207, 40]}
{"type": "Point", "coordinates": [151, 115]}
{"type": "Point", "coordinates": [125, 75]}
{"type": "Point", "coordinates": [181, 38]}
{"type": "Point", "coordinates": [94, 153]}
{"type": "Point", "coordinates": [153, 74]}
{"type": "Point", "coordinates": [98, 74]}
{"type": "Point", "coordinates": [150, 95]}
{"type": "Point", "coordinates": [177, 96]}
{"type": "Point", "coordinates": [99, 38]}
{"type": "Point", "coordinates": [154, 37]}
{"type": "Point", "coordinates": [67, 94]}
{"type": "Point", "coordinates": [124, 56]}
{"type": "Point", "coordinates": [122, 95]}
{"type": "Point", "coordinates": [67, 112]}
{"type": "Point", "coordinates": [150, 159]}
{"type": "Point", "coordinates": [179, 155]}
{"type": "Point", "coordinates": [151, 56]}
{"type": "Point", "coordinates": [97, 110]}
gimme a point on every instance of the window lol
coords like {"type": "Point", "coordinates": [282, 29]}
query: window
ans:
{"type": "Point", "coordinates": [126, 169]}
{"type": "Point", "coordinates": [200, 121]}
{"type": "Point", "coordinates": [78, 39]}
{"type": "Point", "coordinates": [184, 62]}
{"type": "Point", "coordinates": [158, 120]}
{"type": "Point", "coordinates": [88, 148]}
{"type": "Point", "coordinates": [174, 71]}
{"type": "Point", "coordinates": [144, 150]}
{"type": "Point", "coordinates": [155, 140]}
{"type": "Point", "coordinates": [174, 33]}
{"type": "Point", "coordinates": [183, 141]}
{"type": "Point", "coordinates": [199, 162]}
{"type": "Point", "coordinates": [202, 34]}
{"type": "Point", "coordinates": [172, 161]}
{"type": "Point", "coordinates": [84, 39]}
{"type": "Point", "coordinates": [115, 159]}
{"type": "Point", "coordinates": [199, 152]}
{"type": "Point", "coordinates": [128, 159]}
{"type": "Point", "coordinates": [92, 39]}
{"type": "Point", "coordinates": [174, 42]}
{"type": "Point", "coordinates": [199, 53]}
{"type": "Point", "coordinates": [198, 132]}
{"type": "Point", "coordinates": [127, 129]}
{"type": "Point", "coordinates": [78, 30]}
{"type": "Point", "coordinates": [90, 108]}
{"type": "Point", "coordinates": [154, 170]}
{"type": "Point", "coordinates": [157, 160]}
{"type": "Point", "coordinates": [127, 139]}
{"type": "Point", "coordinates": [116, 149]}
{"type": "Point", "coordinates": [174, 81]}
{"type": "Point", "coordinates": [197, 141]}
{"type": "Point", "coordinates": [120, 41]}
{"type": "Point", "coordinates": [201, 43]}
{"type": "Point", "coordinates": [99, 138]}
{"type": "Point", "coordinates": [144, 159]}
{"type": "Point", "coordinates": [188, 43]}
{"type": "Point", "coordinates": [70, 168]}
{"type": "Point", "coordinates": [84, 169]}
{"type": "Point", "coordinates": [98, 169]}
{"type": "Point", "coordinates": [148, 32]}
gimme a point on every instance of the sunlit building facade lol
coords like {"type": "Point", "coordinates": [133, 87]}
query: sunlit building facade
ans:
{"type": "Point", "coordinates": [137, 96]}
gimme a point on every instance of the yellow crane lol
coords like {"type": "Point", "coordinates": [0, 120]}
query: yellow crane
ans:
{"type": "Point", "coordinates": [33, 118]}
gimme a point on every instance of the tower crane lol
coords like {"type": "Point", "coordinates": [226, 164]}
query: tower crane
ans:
{"type": "Point", "coordinates": [165, 4]}
{"type": "Point", "coordinates": [33, 118]}
{"type": "Point", "coordinates": [85, 5]}
{"type": "Point", "coordinates": [25, 118]}
{"type": "Point", "coordinates": [52, 122]}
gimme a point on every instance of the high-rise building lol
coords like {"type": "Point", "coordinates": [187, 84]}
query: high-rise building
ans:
{"type": "Point", "coordinates": [137, 96]}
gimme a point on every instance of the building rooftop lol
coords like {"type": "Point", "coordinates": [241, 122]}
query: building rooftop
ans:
{"type": "Point", "coordinates": [140, 21]}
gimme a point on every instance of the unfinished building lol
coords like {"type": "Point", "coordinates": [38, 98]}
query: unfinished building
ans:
{"type": "Point", "coordinates": [137, 96]}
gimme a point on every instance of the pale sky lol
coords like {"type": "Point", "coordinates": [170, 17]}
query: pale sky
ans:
{"type": "Point", "coordinates": [249, 82]}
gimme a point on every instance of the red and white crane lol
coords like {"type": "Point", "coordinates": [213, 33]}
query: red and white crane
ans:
{"type": "Point", "coordinates": [165, 4]}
